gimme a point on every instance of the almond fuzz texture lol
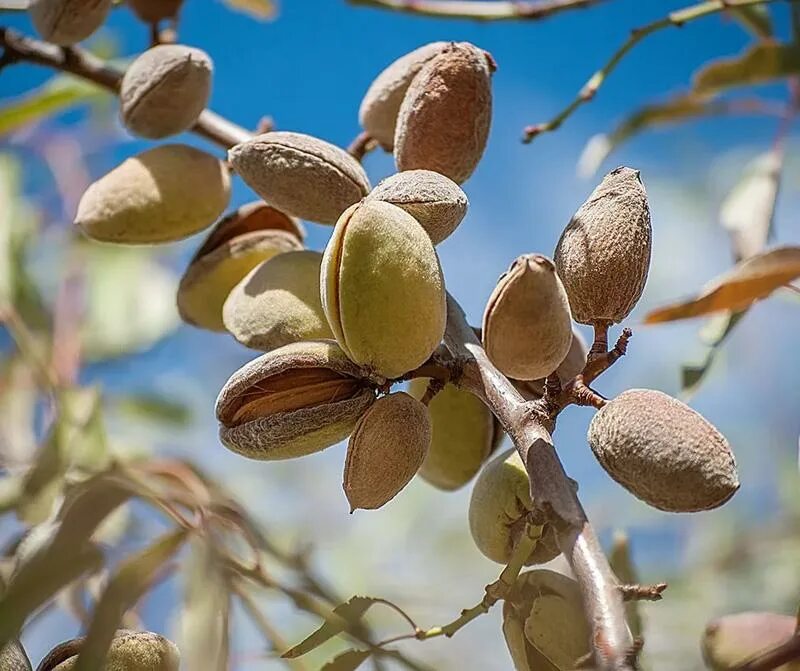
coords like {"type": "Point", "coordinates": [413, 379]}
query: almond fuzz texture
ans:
{"type": "Point", "coordinates": [67, 22]}
{"type": "Point", "coordinates": [603, 255]}
{"type": "Point", "coordinates": [443, 123]}
{"type": "Point", "coordinates": [164, 90]}
{"type": "Point", "coordinates": [161, 195]}
{"type": "Point", "coordinates": [381, 104]}
{"type": "Point", "coordinates": [300, 174]}
{"type": "Point", "coordinates": [663, 452]}
{"type": "Point", "coordinates": [385, 451]}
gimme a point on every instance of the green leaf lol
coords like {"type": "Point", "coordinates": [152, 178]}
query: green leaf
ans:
{"type": "Point", "coordinates": [206, 609]}
{"type": "Point", "coordinates": [132, 579]}
{"type": "Point", "coordinates": [58, 552]}
{"type": "Point", "coordinates": [748, 211]}
{"type": "Point", "coordinates": [155, 408]}
{"type": "Point", "coordinates": [345, 615]}
{"type": "Point", "coordinates": [760, 64]}
{"type": "Point", "coordinates": [57, 95]}
{"type": "Point", "coordinates": [680, 108]}
{"type": "Point", "coordinates": [713, 334]}
{"type": "Point", "coordinates": [130, 301]}
{"type": "Point", "coordinates": [18, 229]}
{"type": "Point", "coordinates": [347, 661]}
{"type": "Point", "coordinates": [260, 9]}
{"type": "Point", "coordinates": [755, 18]}
{"type": "Point", "coordinates": [77, 439]}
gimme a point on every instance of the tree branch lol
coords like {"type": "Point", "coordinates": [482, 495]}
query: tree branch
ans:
{"type": "Point", "coordinates": [81, 63]}
{"type": "Point", "coordinates": [677, 19]}
{"type": "Point", "coordinates": [479, 10]}
{"type": "Point", "coordinates": [530, 425]}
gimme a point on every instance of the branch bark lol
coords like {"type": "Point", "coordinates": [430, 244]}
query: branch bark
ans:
{"type": "Point", "coordinates": [480, 10]}
{"type": "Point", "coordinates": [81, 63]}
{"type": "Point", "coordinates": [676, 19]}
{"type": "Point", "coordinates": [529, 425]}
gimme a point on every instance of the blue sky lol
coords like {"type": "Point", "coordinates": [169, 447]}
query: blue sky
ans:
{"type": "Point", "coordinates": [308, 70]}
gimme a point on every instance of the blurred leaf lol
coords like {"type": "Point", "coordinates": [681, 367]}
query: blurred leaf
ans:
{"type": "Point", "coordinates": [747, 282]}
{"type": "Point", "coordinates": [714, 335]}
{"type": "Point", "coordinates": [76, 439]}
{"type": "Point", "coordinates": [347, 614]}
{"type": "Point", "coordinates": [14, 5]}
{"type": "Point", "coordinates": [130, 301]}
{"type": "Point", "coordinates": [205, 612]}
{"type": "Point", "coordinates": [755, 18]}
{"type": "Point", "coordinates": [58, 552]}
{"type": "Point", "coordinates": [761, 63]}
{"type": "Point", "coordinates": [747, 213]}
{"type": "Point", "coordinates": [18, 228]}
{"type": "Point", "coordinates": [675, 110]}
{"type": "Point", "coordinates": [347, 661]}
{"type": "Point", "coordinates": [622, 564]}
{"type": "Point", "coordinates": [57, 95]}
{"type": "Point", "coordinates": [261, 9]}
{"type": "Point", "coordinates": [18, 397]}
{"type": "Point", "coordinates": [134, 576]}
{"type": "Point", "coordinates": [155, 408]}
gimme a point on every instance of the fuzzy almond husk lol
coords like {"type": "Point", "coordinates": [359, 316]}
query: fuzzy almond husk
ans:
{"type": "Point", "coordinates": [67, 22]}
{"type": "Point", "coordinates": [381, 104]}
{"type": "Point", "coordinates": [663, 452]}
{"type": "Point", "coordinates": [278, 303]}
{"type": "Point", "coordinates": [293, 401]}
{"type": "Point", "coordinates": [463, 435]}
{"type": "Point", "coordinates": [573, 363]}
{"type": "Point", "coordinates": [386, 450]}
{"type": "Point", "coordinates": [443, 123]}
{"type": "Point", "coordinates": [161, 195]}
{"type": "Point", "coordinates": [527, 326]}
{"type": "Point", "coordinates": [300, 174]}
{"type": "Point", "coordinates": [153, 11]}
{"type": "Point", "coordinates": [731, 640]}
{"type": "Point", "coordinates": [435, 201]}
{"type": "Point", "coordinates": [14, 658]}
{"type": "Point", "coordinates": [543, 622]}
{"type": "Point", "coordinates": [129, 651]}
{"type": "Point", "coordinates": [383, 289]}
{"type": "Point", "coordinates": [164, 90]}
{"type": "Point", "coordinates": [500, 502]}
{"type": "Point", "coordinates": [210, 278]}
{"type": "Point", "coordinates": [603, 255]}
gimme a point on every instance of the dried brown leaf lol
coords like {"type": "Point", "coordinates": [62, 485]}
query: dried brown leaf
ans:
{"type": "Point", "coordinates": [752, 279]}
{"type": "Point", "coordinates": [759, 64]}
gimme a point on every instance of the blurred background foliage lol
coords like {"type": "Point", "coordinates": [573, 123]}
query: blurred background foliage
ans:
{"type": "Point", "coordinates": [99, 377]}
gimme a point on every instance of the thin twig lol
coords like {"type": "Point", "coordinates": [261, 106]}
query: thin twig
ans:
{"type": "Point", "coordinates": [83, 64]}
{"type": "Point", "coordinates": [529, 426]}
{"type": "Point", "coordinates": [643, 592]}
{"type": "Point", "coordinates": [480, 10]}
{"type": "Point", "coordinates": [676, 19]}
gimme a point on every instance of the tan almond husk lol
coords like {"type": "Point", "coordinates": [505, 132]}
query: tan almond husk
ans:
{"type": "Point", "coordinates": [386, 449]}
{"type": "Point", "coordinates": [293, 401]}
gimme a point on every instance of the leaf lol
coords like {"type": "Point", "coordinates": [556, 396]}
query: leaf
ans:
{"type": "Point", "coordinates": [748, 281]}
{"type": "Point", "coordinates": [155, 408]}
{"type": "Point", "coordinates": [57, 95]}
{"type": "Point", "coordinates": [346, 614]}
{"type": "Point", "coordinates": [77, 438]}
{"type": "Point", "coordinates": [755, 18]}
{"type": "Point", "coordinates": [714, 335]}
{"type": "Point", "coordinates": [674, 110]}
{"type": "Point", "coordinates": [130, 301]}
{"type": "Point", "coordinates": [18, 400]}
{"type": "Point", "coordinates": [132, 579]}
{"type": "Point", "coordinates": [747, 213]}
{"type": "Point", "coordinates": [58, 552]}
{"type": "Point", "coordinates": [760, 64]}
{"type": "Point", "coordinates": [347, 661]}
{"type": "Point", "coordinates": [18, 228]}
{"type": "Point", "coordinates": [260, 9]}
{"type": "Point", "coordinates": [206, 609]}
